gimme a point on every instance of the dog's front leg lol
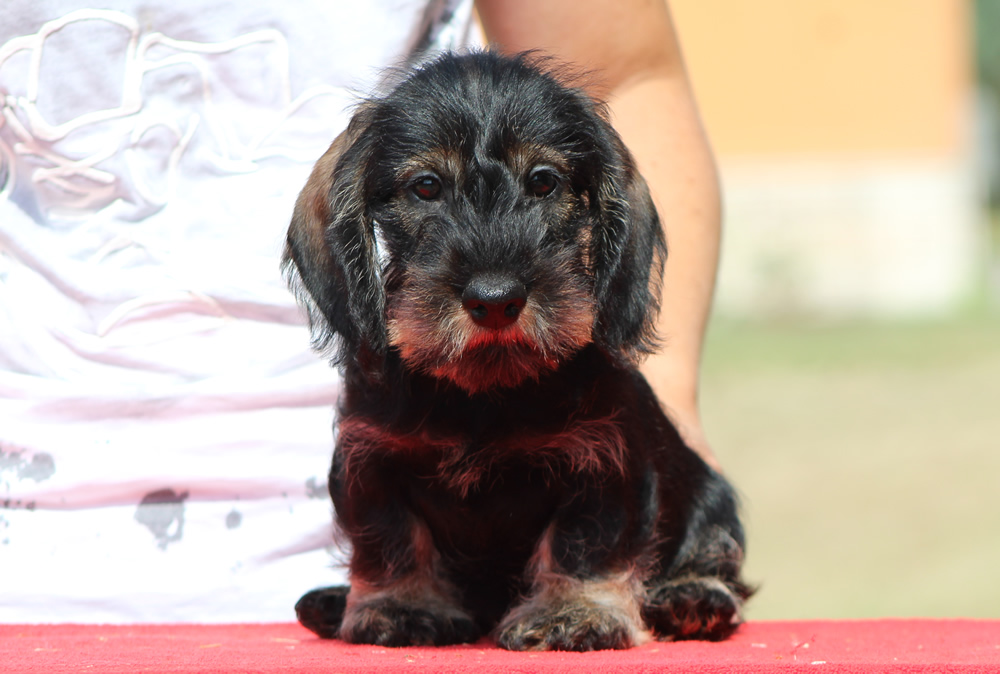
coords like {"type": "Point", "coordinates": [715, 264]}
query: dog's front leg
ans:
{"type": "Point", "coordinates": [417, 608]}
{"type": "Point", "coordinates": [399, 595]}
{"type": "Point", "coordinates": [586, 586]}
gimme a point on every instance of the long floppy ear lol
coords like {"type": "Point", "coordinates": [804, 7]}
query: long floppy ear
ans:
{"type": "Point", "coordinates": [330, 257]}
{"type": "Point", "coordinates": [628, 251]}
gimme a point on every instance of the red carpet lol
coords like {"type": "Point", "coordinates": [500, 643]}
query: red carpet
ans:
{"type": "Point", "coordinates": [814, 646]}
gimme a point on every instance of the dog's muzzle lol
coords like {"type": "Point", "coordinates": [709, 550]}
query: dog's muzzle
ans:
{"type": "Point", "coordinates": [494, 300]}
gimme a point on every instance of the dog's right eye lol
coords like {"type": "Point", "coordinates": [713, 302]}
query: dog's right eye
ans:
{"type": "Point", "coordinates": [427, 188]}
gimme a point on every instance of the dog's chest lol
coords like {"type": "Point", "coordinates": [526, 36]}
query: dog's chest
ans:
{"type": "Point", "coordinates": [487, 473]}
{"type": "Point", "coordinates": [497, 519]}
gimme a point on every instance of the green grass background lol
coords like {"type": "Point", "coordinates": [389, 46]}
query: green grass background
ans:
{"type": "Point", "coordinates": [868, 459]}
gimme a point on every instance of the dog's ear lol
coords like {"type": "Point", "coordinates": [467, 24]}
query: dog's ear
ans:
{"type": "Point", "coordinates": [330, 257]}
{"type": "Point", "coordinates": [627, 252]}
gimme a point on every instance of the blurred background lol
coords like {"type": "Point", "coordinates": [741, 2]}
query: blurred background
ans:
{"type": "Point", "coordinates": [852, 371]}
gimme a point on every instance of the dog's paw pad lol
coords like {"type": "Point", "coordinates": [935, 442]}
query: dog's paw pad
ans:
{"type": "Point", "coordinates": [391, 623]}
{"type": "Point", "coordinates": [700, 608]}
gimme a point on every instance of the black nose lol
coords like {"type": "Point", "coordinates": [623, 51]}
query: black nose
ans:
{"type": "Point", "coordinates": [494, 300]}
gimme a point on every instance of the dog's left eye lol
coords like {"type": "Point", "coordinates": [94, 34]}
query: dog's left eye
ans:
{"type": "Point", "coordinates": [542, 182]}
{"type": "Point", "coordinates": [427, 188]}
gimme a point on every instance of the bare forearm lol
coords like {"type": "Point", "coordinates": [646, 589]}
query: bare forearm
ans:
{"type": "Point", "coordinates": [639, 70]}
{"type": "Point", "coordinates": [659, 123]}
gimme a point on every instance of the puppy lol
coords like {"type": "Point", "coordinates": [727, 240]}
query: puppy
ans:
{"type": "Point", "coordinates": [482, 259]}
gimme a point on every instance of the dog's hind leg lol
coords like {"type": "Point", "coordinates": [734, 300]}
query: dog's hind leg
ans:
{"type": "Point", "coordinates": [702, 597]}
{"type": "Point", "coordinates": [322, 610]}
{"type": "Point", "coordinates": [694, 608]}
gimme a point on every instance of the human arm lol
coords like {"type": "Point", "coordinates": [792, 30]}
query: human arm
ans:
{"type": "Point", "coordinates": [635, 51]}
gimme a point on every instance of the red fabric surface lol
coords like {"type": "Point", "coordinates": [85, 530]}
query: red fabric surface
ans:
{"type": "Point", "coordinates": [815, 646]}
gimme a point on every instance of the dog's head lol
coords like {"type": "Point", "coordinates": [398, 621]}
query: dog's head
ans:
{"type": "Point", "coordinates": [484, 221]}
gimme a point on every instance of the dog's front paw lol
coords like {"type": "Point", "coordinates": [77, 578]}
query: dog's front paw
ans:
{"type": "Point", "coordinates": [386, 621]}
{"type": "Point", "coordinates": [580, 626]}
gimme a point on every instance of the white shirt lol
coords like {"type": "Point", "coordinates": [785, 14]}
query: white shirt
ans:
{"type": "Point", "coordinates": [165, 430]}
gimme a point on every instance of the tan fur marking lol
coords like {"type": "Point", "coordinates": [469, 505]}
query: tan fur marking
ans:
{"type": "Point", "coordinates": [693, 622]}
{"type": "Point", "coordinates": [434, 334]}
{"type": "Point", "coordinates": [563, 604]}
{"type": "Point", "coordinates": [446, 162]}
{"type": "Point", "coordinates": [560, 604]}
{"type": "Point", "coordinates": [312, 208]}
{"type": "Point", "coordinates": [526, 156]}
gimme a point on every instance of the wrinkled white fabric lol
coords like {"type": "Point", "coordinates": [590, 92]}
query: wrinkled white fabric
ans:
{"type": "Point", "coordinates": [165, 430]}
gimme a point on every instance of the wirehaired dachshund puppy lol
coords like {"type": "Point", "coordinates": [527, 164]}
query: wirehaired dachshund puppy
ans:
{"type": "Point", "coordinates": [481, 258]}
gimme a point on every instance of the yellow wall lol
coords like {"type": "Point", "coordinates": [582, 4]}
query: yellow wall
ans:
{"type": "Point", "coordinates": [829, 76]}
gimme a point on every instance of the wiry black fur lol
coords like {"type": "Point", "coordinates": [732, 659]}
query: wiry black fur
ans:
{"type": "Point", "coordinates": [519, 482]}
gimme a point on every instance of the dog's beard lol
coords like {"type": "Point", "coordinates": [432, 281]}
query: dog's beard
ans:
{"type": "Point", "coordinates": [495, 365]}
{"type": "Point", "coordinates": [444, 342]}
